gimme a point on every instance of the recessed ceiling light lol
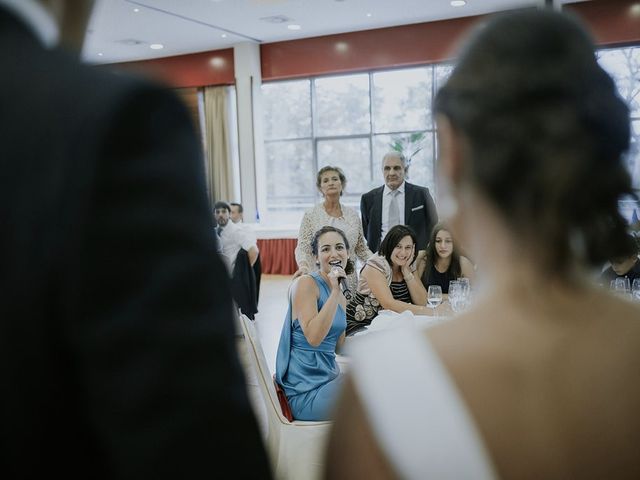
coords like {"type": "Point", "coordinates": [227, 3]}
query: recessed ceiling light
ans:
{"type": "Point", "coordinates": [458, 3]}
{"type": "Point", "coordinates": [156, 46]}
{"type": "Point", "coordinates": [635, 9]}
{"type": "Point", "coordinates": [224, 35]}
{"type": "Point", "coordinates": [369, 14]}
{"type": "Point", "coordinates": [294, 26]}
{"type": "Point", "coordinates": [217, 62]}
{"type": "Point", "coordinates": [100, 54]}
{"type": "Point", "coordinates": [136, 10]}
{"type": "Point", "coordinates": [276, 19]}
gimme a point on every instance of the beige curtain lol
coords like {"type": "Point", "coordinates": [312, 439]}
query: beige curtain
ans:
{"type": "Point", "coordinates": [218, 159]}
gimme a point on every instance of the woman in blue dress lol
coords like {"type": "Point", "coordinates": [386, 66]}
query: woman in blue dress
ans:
{"type": "Point", "coordinates": [314, 327]}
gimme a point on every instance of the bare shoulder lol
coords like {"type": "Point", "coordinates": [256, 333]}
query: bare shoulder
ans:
{"type": "Point", "coordinates": [465, 262]}
{"type": "Point", "coordinates": [303, 286]}
{"type": "Point", "coordinates": [371, 272]}
{"type": "Point", "coordinates": [549, 368]}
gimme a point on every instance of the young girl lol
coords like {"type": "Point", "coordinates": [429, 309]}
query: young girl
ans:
{"type": "Point", "coordinates": [442, 262]}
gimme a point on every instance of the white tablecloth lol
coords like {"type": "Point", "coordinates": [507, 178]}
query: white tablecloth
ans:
{"type": "Point", "coordinates": [387, 320]}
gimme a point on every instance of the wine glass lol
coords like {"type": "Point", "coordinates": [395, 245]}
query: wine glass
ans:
{"type": "Point", "coordinates": [434, 296]}
{"type": "Point", "coordinates": [621, 286]}
{"type": "Point", "coordinates": [635, 289]}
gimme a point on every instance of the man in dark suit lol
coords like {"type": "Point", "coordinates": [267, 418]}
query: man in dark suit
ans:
{"type": "Point", "coordinates": [117, 350]}
{"type": "Point", "coordinates": [396, 202]}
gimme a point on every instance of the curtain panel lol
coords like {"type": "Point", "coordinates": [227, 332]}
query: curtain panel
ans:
{"type": "Point", "coordinates": [218, 166]}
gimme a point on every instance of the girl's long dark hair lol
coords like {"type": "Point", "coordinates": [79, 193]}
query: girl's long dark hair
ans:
{"type": "Point", "coordinates": [454, 269]}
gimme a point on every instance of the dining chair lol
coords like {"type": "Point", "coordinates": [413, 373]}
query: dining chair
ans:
{"type": "Point", "coordinates": [296, 448]}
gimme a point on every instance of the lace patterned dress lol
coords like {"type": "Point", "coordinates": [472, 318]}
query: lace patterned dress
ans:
{"type": "Point", "coordinates": [364, 305]}
{"type": "Point", "coordinates": [349, 223]}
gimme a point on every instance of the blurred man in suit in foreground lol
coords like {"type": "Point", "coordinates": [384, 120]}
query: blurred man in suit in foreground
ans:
{"type": "Point", "coordinates": [117, 344]}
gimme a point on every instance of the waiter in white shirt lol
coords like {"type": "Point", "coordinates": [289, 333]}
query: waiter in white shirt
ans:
{"type": "Point", "coordinates": [234, 237]}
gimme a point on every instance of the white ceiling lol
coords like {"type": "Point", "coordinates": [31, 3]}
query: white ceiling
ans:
{"type": "Point", "coordinates": [123, 30]}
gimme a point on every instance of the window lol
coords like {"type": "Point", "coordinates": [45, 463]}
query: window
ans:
{"type": "Point", "coordinates": [623, 64]}
{"type": "Point", "coordinates": [348, 121]}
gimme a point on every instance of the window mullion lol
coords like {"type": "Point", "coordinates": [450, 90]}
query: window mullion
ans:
{"type": "Point", "coordinates": [314, 119]}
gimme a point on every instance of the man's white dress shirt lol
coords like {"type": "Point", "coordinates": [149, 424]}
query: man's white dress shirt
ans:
{"type": "Point", "coordinates": [234, 237]}
{"type": "Point", "coordinates": [386, 201]}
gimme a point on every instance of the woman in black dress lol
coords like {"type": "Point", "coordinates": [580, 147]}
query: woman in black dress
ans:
{"type": "Point", "coordinates": [442, 261]}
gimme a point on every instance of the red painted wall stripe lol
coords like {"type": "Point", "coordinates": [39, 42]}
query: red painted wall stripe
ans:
{"type": "Point", "coordinates": [194, 70]}
{"type": "Point", "coordinates": [405, 45]}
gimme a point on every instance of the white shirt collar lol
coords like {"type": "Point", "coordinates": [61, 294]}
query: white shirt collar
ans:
{"type": "Point", "coordinates": [387, 190]}
{"type": "Point", "coordinates": [229, 227]}
{"type": "Point", "coordinates": [37, 18]}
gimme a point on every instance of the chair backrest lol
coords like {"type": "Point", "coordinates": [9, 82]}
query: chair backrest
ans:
{"type": "Point", "coordinates": [296, 448]}
{"type": "Point", "coordinates": [259, 362]}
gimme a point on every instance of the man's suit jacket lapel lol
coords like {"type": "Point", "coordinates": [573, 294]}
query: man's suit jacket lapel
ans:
{"type": "Point", "coordinates": [409, 193]}
{"type": "Point", "coordinates": [376, 211]}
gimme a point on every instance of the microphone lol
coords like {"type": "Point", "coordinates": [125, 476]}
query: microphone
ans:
{"type": "Point", "coordinates": [343, 282]}
{"type": "Point", "coordinates": [345, 289]}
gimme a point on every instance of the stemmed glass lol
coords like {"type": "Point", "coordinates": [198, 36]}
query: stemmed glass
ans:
{"type": "Point", "coordinates": [621, 286]}
{"type": "Point", "coordinates": [635, 290]}
{"type": "Point", "coordinates": [434, 296]}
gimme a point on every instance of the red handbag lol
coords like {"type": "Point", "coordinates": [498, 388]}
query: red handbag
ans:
{"type": "Point", "coordinates": [282, 399]}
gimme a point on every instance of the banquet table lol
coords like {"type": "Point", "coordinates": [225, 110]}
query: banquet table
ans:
{"type": "Point", "coordinates": [277, 247]}
{"type": "Point", "coordinates": [387, 320]}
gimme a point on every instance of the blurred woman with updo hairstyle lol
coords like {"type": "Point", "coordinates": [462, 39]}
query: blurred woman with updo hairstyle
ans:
{"type": "Point", "coordinates": [442, 262]}
{"type": "Point", "coordinates": [539, 378]}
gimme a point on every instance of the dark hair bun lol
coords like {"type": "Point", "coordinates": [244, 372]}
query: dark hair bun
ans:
{"type": "Point", "coordinates": [547, 132]}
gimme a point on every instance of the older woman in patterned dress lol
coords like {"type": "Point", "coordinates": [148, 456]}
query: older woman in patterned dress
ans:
{"type": "Point", "coordinates": [330, 212]}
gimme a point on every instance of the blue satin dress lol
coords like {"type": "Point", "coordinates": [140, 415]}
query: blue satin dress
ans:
{"type": "Point", "coordinates": [310, 375]}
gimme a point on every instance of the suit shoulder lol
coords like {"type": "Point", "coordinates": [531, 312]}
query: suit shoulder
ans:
{"type": "Point", "coordinates": [414, 187]}
{"type": "Point", "coordinates": [373, 191]}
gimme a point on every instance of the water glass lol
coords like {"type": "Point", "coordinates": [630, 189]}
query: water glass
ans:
{"type": "Point", "coordinates": [434, 296]}
{"type": "Point", "coordinates": [621, 286]}
{"type": "Point", "coordinates": [635, 290]}
{"type": "Point", "coordinates": [466, 288]}
{"type": "Point", "coordinates": [457, 295]}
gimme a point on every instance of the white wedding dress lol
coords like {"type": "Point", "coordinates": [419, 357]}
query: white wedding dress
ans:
{"type": "Point", "coordinates": [414, 408]}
